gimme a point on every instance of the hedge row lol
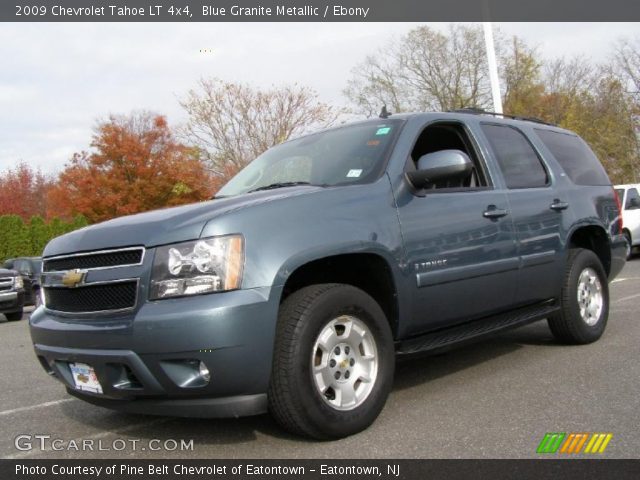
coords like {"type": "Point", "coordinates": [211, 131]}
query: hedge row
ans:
{"type": "Point", "coordinates": [20, 239]}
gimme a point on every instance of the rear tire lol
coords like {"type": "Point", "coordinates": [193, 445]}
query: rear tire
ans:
{"type": "Point", "coordinates": [14, 316]}
{"type": "Point", "coordinates": [333, 362]}
{"type": "Point", "coordinates": [584, 300]}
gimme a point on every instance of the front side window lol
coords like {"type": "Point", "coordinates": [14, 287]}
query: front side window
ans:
{"type": "Point", "coordinates": [519, 162]}
{"type": "Point", "coordinates": [450, 136]}
{"type": "Point", "coordinates": [342, 156]}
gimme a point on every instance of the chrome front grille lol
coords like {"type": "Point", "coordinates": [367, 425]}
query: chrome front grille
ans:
{"type": "Point", "coordinates": [93, 282]}
{"type": "Point", "coordinates": [93, 260]}
{"type": "Point", "coordinates": [6, 283]}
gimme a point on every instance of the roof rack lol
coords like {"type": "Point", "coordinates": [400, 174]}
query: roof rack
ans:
{"type": "Point", "coordinates": [480, 111]}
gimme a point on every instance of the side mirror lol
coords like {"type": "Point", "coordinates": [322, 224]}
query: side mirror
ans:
{"type": "Point", "coordinates": [437, 166]}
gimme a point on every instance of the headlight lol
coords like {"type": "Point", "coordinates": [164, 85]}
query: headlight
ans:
{"type": "Point", "coordinates": [202, 266]}
{"type": "Point", "coordinates": [19, 282]}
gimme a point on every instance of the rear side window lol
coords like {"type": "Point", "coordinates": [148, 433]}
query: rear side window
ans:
{"type": "Point", "coordinates": [575, 157]}
{"type": "Point", "coordinates": [519, 162]}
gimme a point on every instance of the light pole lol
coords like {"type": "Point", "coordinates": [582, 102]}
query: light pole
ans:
{"type": "Point", "coordinates": [493, 67]}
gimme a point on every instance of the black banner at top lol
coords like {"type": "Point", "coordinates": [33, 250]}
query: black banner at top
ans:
{"type": "Point", "coordinates": [318, 10]}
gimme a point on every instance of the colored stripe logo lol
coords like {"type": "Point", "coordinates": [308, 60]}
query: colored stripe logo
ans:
{"type": "Point", "coordinates": [569, 443]}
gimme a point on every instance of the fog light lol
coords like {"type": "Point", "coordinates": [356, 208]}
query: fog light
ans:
{"type": "Point", "coordinates": [204, 372]}
{"type": "Point", "coordinates": [187, 373]}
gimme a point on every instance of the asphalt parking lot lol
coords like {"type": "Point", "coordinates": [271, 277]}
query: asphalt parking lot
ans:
{"type": "Point", "coordinates": [494, 399]}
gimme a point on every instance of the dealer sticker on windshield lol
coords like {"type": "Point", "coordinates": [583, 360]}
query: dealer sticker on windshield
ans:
{"type": "Point", "coordinates": [84, 378]}
{"type": "Point", "coordinates": [354, 173]}
{"type": "Point", "coordinates": [383, 131]}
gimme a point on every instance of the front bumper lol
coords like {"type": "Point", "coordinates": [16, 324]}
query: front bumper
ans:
{"type": "Point", "coordinates": [11, 301]}
{"type": "Point", "coordinates": [238, 406]}
{"type": "Point", "coordinates": [142, 360]}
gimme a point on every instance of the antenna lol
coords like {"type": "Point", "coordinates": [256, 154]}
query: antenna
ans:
{"type": "Point", "coordinates": [384, 113]}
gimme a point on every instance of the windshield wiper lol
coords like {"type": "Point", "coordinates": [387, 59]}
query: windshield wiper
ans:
{"type": "Point", "coordinates": [278, 185]}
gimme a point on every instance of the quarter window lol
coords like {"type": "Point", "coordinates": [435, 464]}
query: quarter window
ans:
{"type": "Point", "coordinates": [633, 199]}
{"type": "Point", "coordinates": [519, 162]}
{"type": "Point", "coordinates": [575, 157]}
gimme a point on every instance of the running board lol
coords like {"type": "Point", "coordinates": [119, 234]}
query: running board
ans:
{"type": "Point", "coordinates": [474, 330]}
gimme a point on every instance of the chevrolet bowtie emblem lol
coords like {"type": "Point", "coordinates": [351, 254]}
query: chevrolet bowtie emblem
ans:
{"type": "Point", "coordinates": [73, 278]}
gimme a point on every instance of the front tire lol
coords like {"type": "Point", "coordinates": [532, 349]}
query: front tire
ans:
{"type": "Point", "coordinates": [333, 362]}
{"type": "Point", "coordinates": [584, 300]}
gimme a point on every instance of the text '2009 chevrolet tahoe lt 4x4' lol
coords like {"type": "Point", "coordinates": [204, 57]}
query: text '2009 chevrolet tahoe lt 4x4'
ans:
{"type": "Point", "coordinates": [296, 287]}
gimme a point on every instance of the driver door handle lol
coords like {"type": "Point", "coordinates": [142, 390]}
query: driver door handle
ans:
{"type": "Point", "coordinates": [493, 212]}
{"type": "Point", "coordinates": [558, 205]}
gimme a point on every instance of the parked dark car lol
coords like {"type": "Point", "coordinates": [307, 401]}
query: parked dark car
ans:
{"type": "Point", "coordinates": [30, 269]}
{"type": "Point", "coordinates": [329, 255]}
{"type": "Point", "coordinates": [11, 294]}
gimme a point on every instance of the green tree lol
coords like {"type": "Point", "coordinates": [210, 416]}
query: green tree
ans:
{"type": "Point", "coordinates": [39, 235]}
{"type": "Point", "coordinates": [14, 237]}
{"type": "Point", "coordinates": [79, 221]}
{"type": "Point", "coordinates": [18, 239]}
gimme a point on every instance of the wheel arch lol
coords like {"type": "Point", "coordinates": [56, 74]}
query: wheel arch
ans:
{"type": "Point", "coordinates": [592, 237]}
{"type": "Point", "coordinates": [366, 270]}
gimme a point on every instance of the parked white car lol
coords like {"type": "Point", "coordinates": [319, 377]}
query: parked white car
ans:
{"type": "Point", "coordinates": [630, 201]}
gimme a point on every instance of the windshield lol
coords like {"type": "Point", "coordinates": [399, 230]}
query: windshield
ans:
{"type": "Point", "coordinates": [341, 156]}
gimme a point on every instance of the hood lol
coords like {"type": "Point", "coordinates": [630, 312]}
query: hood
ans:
{"type": "Point", "coordinates": [161, 227]}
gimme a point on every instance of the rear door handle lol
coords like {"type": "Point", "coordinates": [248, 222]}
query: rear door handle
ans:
{"type": "Point", "coordinates": [494, 212]}
{"type": "Point", "coordinates": [558, 205]}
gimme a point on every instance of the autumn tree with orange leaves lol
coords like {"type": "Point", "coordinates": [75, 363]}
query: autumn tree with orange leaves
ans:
{"type": "Point", "coordinates": [137, 165]}
{"type": "Point", "coordinates": [23, 192]}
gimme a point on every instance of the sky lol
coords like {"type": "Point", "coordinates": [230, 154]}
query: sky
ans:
{"type": "Point", "coordinates": [57, 80]}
